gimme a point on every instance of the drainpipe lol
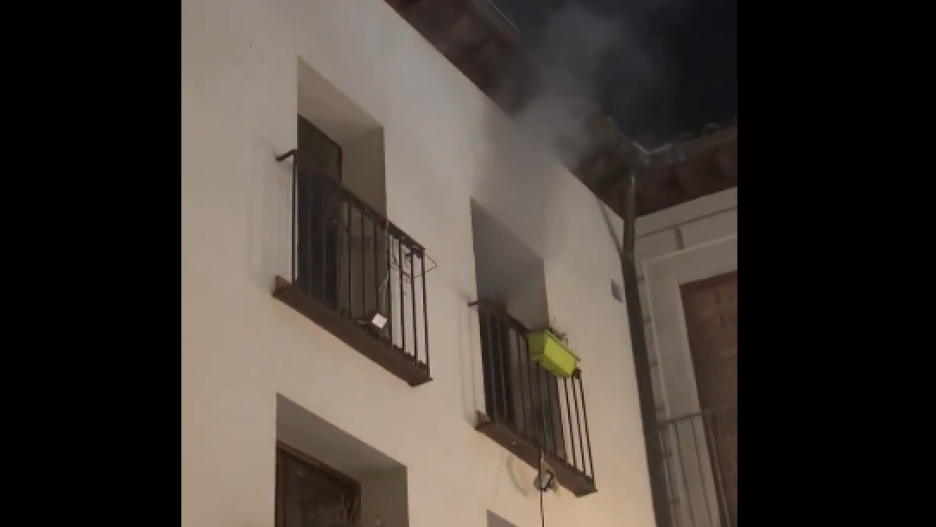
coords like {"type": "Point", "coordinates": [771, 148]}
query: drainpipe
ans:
{"type": "Point", "coordinates": [655, 461]}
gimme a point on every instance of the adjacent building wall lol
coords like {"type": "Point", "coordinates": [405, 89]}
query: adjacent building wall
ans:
{"type": "Point", "coordinates": [444, 144]}
{"type": "Point", "coordinates": [675, 246]}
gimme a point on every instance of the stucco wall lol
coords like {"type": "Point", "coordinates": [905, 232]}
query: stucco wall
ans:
{"type": "Point", "coordinates": [675, 246]}
{"type": "Point", "coordinates": [445, 143]}
{"type": "Point", "coordinates": [683, 244]}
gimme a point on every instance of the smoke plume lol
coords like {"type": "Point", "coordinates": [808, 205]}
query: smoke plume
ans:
{"type": "Point", "coordinates": [579, 52]}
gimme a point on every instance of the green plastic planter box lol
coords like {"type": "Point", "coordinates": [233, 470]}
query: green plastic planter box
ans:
{"type": "Point", "coordinates": [552, 353]}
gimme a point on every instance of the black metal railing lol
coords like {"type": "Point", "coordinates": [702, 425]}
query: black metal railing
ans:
{"type": "Point", "coordinates": [545, 411]}
{"type": "Point", "coordinates": [701, 456]}
{"type": "Point", "coordinates": [357, 264]}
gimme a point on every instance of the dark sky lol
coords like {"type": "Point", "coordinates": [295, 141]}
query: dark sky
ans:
{"type": "Point", "coordinates": [674, 70]}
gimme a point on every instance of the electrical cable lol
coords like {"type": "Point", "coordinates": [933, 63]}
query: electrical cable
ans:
{"type": "Point", "coordinates": [541, 492]}
{"type": "Point", "coordinates": [542, 514]}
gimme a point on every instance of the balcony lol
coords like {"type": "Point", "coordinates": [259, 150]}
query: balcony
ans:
{"type": "Point", "coordinates": [529, 410]}
{"type": "Point", "coordinates": [701, 458]}
{"type": "Point", "coordinates": [357, 275]}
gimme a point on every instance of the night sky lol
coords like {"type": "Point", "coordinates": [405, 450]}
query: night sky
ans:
{"type": "Point", "coordinates": [674, 70]}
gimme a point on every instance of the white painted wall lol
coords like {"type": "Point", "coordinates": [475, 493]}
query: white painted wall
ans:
{"type": "Point", "coordinates": [384, 499]}
{"type": "Point", "coordinates": [675, 246]}
{"type": "Point", "coordinates": [682, 244]}
{"type": "Point", "coordinates": [445, 143]}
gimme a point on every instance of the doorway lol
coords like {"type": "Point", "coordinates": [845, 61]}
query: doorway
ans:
{"type": "Point", "coordinates": [318, 181]}
{"type": "Point", "coordinates": [711, 310]}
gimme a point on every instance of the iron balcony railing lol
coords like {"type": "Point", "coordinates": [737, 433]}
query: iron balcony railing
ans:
{"type": "Point", "coordinates": [701, 457]}
{"type": "Point", "coordinates": [358, 265]}
{"type": "Point", "coordinates": [541, 409]}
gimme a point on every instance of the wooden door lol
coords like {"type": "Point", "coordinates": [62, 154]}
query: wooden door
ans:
{"type": "Point", "coordinates": [711, 308]}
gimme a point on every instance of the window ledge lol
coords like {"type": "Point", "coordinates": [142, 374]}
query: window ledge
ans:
{"type": "Point", "coordinates": [391, 358]}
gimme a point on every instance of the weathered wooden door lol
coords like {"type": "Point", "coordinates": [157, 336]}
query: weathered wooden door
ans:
{"type": "Point", "coordinates": [711, 308]}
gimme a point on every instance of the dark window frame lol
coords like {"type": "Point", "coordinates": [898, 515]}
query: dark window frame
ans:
{"type": "Point", "coordinates": [287, 456]}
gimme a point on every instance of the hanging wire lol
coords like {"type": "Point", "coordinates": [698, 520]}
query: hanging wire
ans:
{"type": "Point", "coordinates": [542, 424]}
{"type": "Point", "coordinates": [405, 267]}
{"type": "Point", "coordinates": [542, 511]}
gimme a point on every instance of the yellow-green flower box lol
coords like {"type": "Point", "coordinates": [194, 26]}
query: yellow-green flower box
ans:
{"type": "Point", "coordinates": [552, 353]}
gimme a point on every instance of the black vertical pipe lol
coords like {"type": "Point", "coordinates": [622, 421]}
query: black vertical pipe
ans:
{"type": "Point", "coordinates": [655, 461]}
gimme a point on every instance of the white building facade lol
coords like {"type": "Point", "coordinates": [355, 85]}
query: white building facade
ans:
{"type": "Point", "coordinates": [690, 245]}
{"type": "Point", "coordinates": [421, 146]}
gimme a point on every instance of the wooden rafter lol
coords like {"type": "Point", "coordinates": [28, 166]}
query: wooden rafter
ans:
{"type": "Point", "coordinates": [728, 164]}
{"type": "Point", "coordinates": [473, 62]}
{"type": "Point", "coordinates": [404, 5]}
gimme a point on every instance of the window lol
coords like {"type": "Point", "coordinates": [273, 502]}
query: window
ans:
{"type": "Point", "coordinates": [354, 272]}
{"type": "Point", "coordinates": [527, 410]}
{"type": "Point", "coordinates": [310, 494]}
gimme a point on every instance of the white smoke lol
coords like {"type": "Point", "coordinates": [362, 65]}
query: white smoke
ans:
{"type": "Point", "coordinates": [577, 50]}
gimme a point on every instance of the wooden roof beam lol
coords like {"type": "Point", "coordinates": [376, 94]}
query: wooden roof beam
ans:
{"type": "Point", "coordinates": [688, 179]}
{"type": "Point", "coordinates": [717, 140]}
{"type": "Point", "coordinates": [727, 164]}
{"type": "Point", "coordinates": [404, 5]}
{"type": "Point", "coordinates": [474, 61]}
{"type": "Point", "coordinates": [494, 19]}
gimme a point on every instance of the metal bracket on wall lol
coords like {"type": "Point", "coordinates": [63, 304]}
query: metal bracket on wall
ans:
{"type": "Point", "coordinates": [287, 155]}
